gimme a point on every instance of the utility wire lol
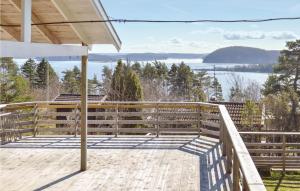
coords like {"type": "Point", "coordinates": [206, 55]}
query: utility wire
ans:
{"type": "Point", "coordinates": [159, 21]}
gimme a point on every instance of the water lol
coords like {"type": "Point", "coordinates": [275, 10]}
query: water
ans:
{"type": "Point", "coordinates": [225, 78]}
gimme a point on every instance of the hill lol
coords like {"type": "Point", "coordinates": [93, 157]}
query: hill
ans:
{"type": "Point", "coordinates": [244, 55]}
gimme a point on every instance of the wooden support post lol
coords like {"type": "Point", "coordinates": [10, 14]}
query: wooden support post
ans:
{"type": "Point", "coordinates": [236, 173]}
{"type": "Point", "coordinates": [26, 21]}
{"type": "Point", "coordinates": [117, 121]}
{"type": "Point", "coordinates": [156, 120]}
{"type": "Point", "coordinates": [84, 109]}
{"type": "Point", "coordinates": [229, 156]}
{"type": "Point", "coordinates": [35, 120]}
{"type": "Point", "coordinates": [283, 153]}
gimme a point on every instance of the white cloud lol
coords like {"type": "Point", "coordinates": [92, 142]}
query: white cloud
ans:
{"type": "Point", "coordinates": [248, 35]}
{"type": "Point", "coordinates": [171, 45]}
{"type": "Point", "coordinates": [283, 35]}
{"type": "Point", "coordinates": [243, 35]}
{"type": "Point", "coordinates": [176, 41]}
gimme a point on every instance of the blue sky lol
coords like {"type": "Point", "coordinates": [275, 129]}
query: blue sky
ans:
{"type": "Point", "coordinates": [201, 37]}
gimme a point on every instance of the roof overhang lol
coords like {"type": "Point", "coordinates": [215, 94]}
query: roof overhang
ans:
{"type": "Point", "coordinates": [48, 11]}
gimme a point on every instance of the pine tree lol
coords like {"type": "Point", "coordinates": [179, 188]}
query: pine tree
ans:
{"type": "Point", "coordinates": [133, 86]}
{"type": "Point", "coordinates": [106, 78]}
{"type": "Point", "coordinates": [118, 80]}
{"type": "Point", "coordinates": [126, 85]}
{"type": "Point", "coordinates": [13, 87]}
{"type": "Point", "coordinates": [172, 80]}
{"type": "Point", "coordinates": [217, 90]}
{"type": "Point", "coordinates": [42, 73]}
{"type": "Point", "coordinates": [29, 72]}
{"type": "Point", "coordinates": [71, 84]}
{"type": "Point", "coordinates": [288, 81]}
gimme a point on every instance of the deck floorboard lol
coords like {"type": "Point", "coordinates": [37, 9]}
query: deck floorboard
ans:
{"type": "Point", "coordinates": [123, 163]}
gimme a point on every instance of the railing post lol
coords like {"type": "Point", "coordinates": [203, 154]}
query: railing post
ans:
{"type": "Point", "coordinates": [35, 120]}
{"type": "Point", "coordinates": [2, 128]}
{"type": "Point", "coordinates": [76, 120]}
{"type": "Point", "coordinates": [224, 138]}
{"type": "Point", "coordinates": [283, 152]}
{"type": "Point", "coordinates": [117, 121]}
{"type": "Point", "coordinates": [236, 173]}
{"type": "Point", "coordinates": [156, 120]}
{"type": "Point", "coordinates": [245, 186]}
{"type": "Point", "coordinates": [221, 136]}
{"type": "Point", "coordinates": [229, 156]}
{"type": "Point", "coordinates": [199, 119]}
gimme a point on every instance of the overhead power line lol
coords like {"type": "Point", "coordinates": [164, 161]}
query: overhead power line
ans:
{"type": "Point", "coordinates": [159, 21]}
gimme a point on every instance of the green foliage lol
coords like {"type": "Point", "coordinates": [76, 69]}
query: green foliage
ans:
{"type": "Point", "coordinates": [278, 109]}
{"type": "Point", "coordinates": [181, 81]}
{"type": "Point", "coordinates": [217, 90]}
{"type": "Point", "coordinates": [236, 94]}
{"type": "Point", "coordinates": [42, 74]}
{"type": "Point", "coordinates": [71, 81]}
{"type": "Point", "coordinates": [13, 87]}
{"type": "Point", "coordinates": [93, 86]}
{"type": "Point", "coordinates": [200, 82]}
{"type": "Point", "coordinates": [279, 182]}
{"type": "Point", "coordinates": [29, 72]}
{"type": "Point", "coordinates": [287, 82]}
{"type": "Point", "coordinates": [133, 87]}
{"type": "Point", "coordinates": [249, 113]}
{"type": "Point", "coordinates": [126, 85]}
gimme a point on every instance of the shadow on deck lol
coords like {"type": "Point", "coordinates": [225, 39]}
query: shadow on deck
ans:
{"type": "Point", "coordinates": [124, 163]}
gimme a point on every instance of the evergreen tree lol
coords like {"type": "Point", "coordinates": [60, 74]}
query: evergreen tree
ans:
{"type": "Point", "coordinates": [133, 86]}
{"type": "Point", "coordinates": [77, 73]}
{"type": "Point", "coordinates": [249, 114]}
{"type": "Point", "coordinates": [71, 84]}
{"type": "Point", "coordinates": [118, 80]}
{"type": "Point", "coordinates": [42, 73]}
{"type": "Point", "coordinates": [13, 87]}
{"type": "Point", "coordinates": [236, 94]}
{"type": "Point", "coordinates": [126, 85]}
{"type": "Point", "coordinates": [217, 90]}
{"type": "Point", "coordinates": [172, 80]}
{"type": "Point", "coordinates": [137, 68]}
{"type": "Point", "coordinates": [149, 72]}
{"type": "Point", "coordinates": [200, 81]}
{"type": "Point", "coordinates": [29, 72]}
{"type": "Point", "coordinates": [184, 81]}
{"type": "Point", "coordinates": [287, 81]}
{"type": "Point", "coordinates": [106, 78]}
{"type": "Point", "coordinates": [93, 86]}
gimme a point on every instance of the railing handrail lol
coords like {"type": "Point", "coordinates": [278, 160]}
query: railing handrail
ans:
{"type": "Point", "coordinates": [268, 133]}
{"type": "Point", "coordinates": [112, 102]}
{"type": "Point", "coordinates": [246, 164]}
{"type": "Point", "coordinates": [4, 114]}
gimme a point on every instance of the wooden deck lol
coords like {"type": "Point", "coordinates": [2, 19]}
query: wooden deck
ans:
{"type": "Point", "coordinates": [123, 163]}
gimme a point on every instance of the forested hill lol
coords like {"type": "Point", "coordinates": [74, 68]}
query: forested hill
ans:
{"type": "Point", "coordinates": [240, 54]}
{"type": "Point", "coordinates": [129, 56]}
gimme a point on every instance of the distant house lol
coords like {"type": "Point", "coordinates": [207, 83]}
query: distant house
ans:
{"type": "Point", "coordinates": [75, 97]}
{"type": "Point", "coordinates": [235, 110]}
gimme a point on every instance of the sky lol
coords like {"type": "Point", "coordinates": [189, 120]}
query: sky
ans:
{"type": "Point", "coordinates": [201, 37]}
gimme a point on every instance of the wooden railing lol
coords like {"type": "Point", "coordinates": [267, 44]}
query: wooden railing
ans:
{"type": "Point", "coordinates": [238, 159]}
{"type": "Point", "coordinates": [120, 117]}
{"type": "Point", "coordinates": [277, 150]}
{"type": "Point", "coordinates": [149, 118]}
